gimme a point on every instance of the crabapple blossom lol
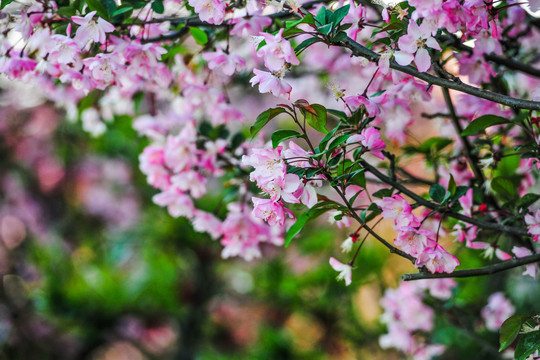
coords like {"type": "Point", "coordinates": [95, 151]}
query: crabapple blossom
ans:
{"type": "Point", "coordinates": [413, 241]}
{"type": "Point", "coordinates": [437, 260]}
{"type": "Point", "coordinates": [277, 52]}
{"type": "Point", "coordinates": [356, 16]}
{"type": "Point", "coordinates": [531, 269]}
{"type": "Point", "coordinates": [271, 82]}
{"type": "Point", "coordinates": [370, 140]}
{"type": "Point", "coordinates": [497, 310]}
{"type": "Point", "coordinates": [533, 223]}
{"type": "Point", "coordinates": [412, 46]}
{"type": "Point", "coordinates": [345, 270]}
{"type": "Point", "coordinates": [272, 212]}
{"type": "Point", "coordinates": [91, 29]}
{"type": "Point", "coordinates": [223, 62]}
{"type": "Point", "coordinates": [211, 11]}
{"type": "Point", "coordinates": [399, 210]}
{"type": "Point", "coordinates": [356, 101]}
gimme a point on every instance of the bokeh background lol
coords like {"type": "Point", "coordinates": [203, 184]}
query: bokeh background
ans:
{"type": "Point", "coordinates": [90, 268]}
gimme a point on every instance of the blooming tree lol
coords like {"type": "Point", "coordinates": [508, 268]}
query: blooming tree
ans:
{"type": "Point", "coordinates": [355, 93]}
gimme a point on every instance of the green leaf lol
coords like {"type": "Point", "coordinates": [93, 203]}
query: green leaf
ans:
{"type": "Point", "coordinates": [318, 121]}
{"type": "Point", "coordinates": [510, 329]}
{"type": "Point", "coordinates": [460, 191]}
{"type": "Point", "coordinates": [199, 35]}
{"type": "Point", "coordinates": [452, 185]}
{"type": "Point", "coordinates": [338, 141]}
{"type": "Point", "coordinates": [98, 6]}
{"type": "Point", "coordinates": [158, 7]}
{"type": "Point", "coordinates": [306, 43]}
{"type": "Point", "coordinates": [122, 10]}
{"type": "Point", "coordinates": [320, 18]}
{"type": "Point", "coordinates": [434, 144]}
{"type": "Point", "coordinates": [301, 222]}
{"type": "Point", "coordinates": [503, 186]}
{"type": "Point", "coordinates": [263, 119]}
{"type": "Point", "coordinates": [4, 3]}
{"type": "Point", "coordinates": [528, 344]}
{"type": "Point", "coordinates": [282, 135]}
{"type": "Point", "coordinates": [437, 193]}
{"type": "Point", "coordinates": [338, 15]}
{"type": "Point", "coordinates": [528, 200]}
{"type": "Point", "coordinates": [382, 193]}
{"type": "Point", "coordinates": [325, 29]}
{"type": "Point", "coordinates": [482, 123]}
{"type": "Point", "coordinates": [326, 139]}
{"type": "Point", "coordinates": [337, 113]}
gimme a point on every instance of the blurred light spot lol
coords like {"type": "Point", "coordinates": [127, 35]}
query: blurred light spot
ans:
{"type": "Point", "coordinates": [12, 231]}
{"type": "Point", "coordinates": [241, 281]}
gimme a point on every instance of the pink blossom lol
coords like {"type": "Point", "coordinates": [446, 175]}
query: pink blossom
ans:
{"type": "Point", "coordinates": [413, 241]}
{"type": "Point", "coordinates": [344, 222]}
{"type": "Point", "coordinates": [437, 260]}
{"type": "Point", "coordinates": [415, 41]}
{"type": "Point", "coordinates": [276, 52]}
{"type": "Point", "coordinates": [16, 67]}
{"type": "Point", "coordinates": [243, 233]}
{"type": "Point", "coordinates": [466, 202]}
{"type": "Point", "coordinates": [285, 189]}
{"type": "Point", "coordinates": [531, 269]}
{"type": "Point", "coordinates": [356, 101]}
{"type": "Point", "coordinates": [438, 288]}
{"type": "Point", "coordinates": [268, 165]}
{"type": "Point", "coordinates": [498, 309]}
{"type": "Point", "coordinates": [225, 63]}
{"type": "Point", "coordinates": [309, 196]}
{"type": "Point", "coordinates": [356, 17]}
{"type": "Point", "coordinates": [533, 223]}
{"type": "Point", "coordinates": [178, 203]}
{"type": "Point", "coordinates": [370, 138]}
{"type": "Point", "coordinates": [206, 222]}
{"type": "Point", "coordinates": [272, 212]}
{"type": "Point", "coordinates": [90, 29]}
{"type": "Point", "coordinates": [345, 270]}
{"type": "Point", "coordinates": [253, 25]}
{"type": "Point", "coordinates": [211, 11]}
{"type": "Point", "coordinates": [295, 153]}
{"type": "Point", "coordinates": [190, 181]}
{"type": "Point", "coordinates": [397, 208]}
{"type": "Point", "coordinates": [270, 82]}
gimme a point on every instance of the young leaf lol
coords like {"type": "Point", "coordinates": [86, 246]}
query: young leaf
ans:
{"type": "Point", "coordinates": [158, 7]}
{"type": "Point", "coordinates": [338, 15]}
{"type": "Point", "coordinates": [282, 135]}
{"type": "Point", "coordinates": [510, 330]}
{"type": "Point", "coordinates": [263, 119]}
{"type": "Point", "coordinates": [452, 185]}
{"type": "Point", "coordinates": [4, 3]}
{"type": "Point", "coordinates": [503, 186]}
{"type": "Point", "coordinates": [528, 200]}
{"type": "Point", "coordinates": [301, 221]}
{"type": "Point", "coordinates": [98, 6]}
{"type": "Point", "coordinates": [199, 35]}
{"type": "Point", "coordinates": [306, 43]}
{"type": "Point", "coordinates": [437, 193]}
{"type": "Point", "coordinates": [318, 122]}
{"type": "Point", "coordinates": [320, 18]}
{"type": "Point", "coordinates": [482, 123]}
{"type": "Point", "coordinates": [529, 343]}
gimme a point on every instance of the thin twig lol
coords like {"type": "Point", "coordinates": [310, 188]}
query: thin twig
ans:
{"type": "Point", "coordinates": [486, 270]}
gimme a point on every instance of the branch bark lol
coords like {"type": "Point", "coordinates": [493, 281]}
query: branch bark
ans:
{"type": "Point", "coordinates": [433, 206]}
{"type": "Point", "coordinates": [458, 85]}
{"type": "Point", "coordinates": [487, 270]}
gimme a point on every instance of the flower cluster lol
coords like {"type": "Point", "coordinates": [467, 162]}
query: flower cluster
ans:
{"type": "Point", "coordinates": [497, 310]}
{"type": "Point", "coordinates": [419, 243]}
{"type": "Point", "coordinates": [278, 55]}
{"type": "Point", "coordinates": [270, 174]}
{"type": "Point", "coordinates": [405, 315]}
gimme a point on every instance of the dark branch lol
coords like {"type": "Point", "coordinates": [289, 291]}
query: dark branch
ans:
{"type": "Point", "coordinates": [362, 51]}
{"type": "Point", "coordinates": [487, 270]}
{"type": "Point", "coordinates": [433, 206]}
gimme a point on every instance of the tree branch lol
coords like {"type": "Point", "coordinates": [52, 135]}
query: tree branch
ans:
{"type": "Point", "coordinates": [362, 51]}
{"type": "Point", "coordinates": [433, 206]}
{"type": "Point", "coordinates": [486, 270]}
